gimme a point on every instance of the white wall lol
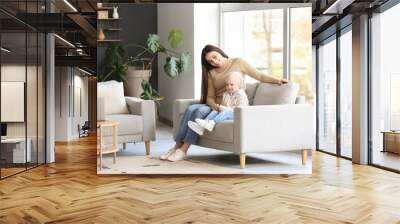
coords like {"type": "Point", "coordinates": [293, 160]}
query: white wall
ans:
{"type": "Point", "coordinates": [200, 25]}
{"type": "Point", "coordinates": [68, 81]}
{"type": "Point", "coordinates": [175, 16]}
{"type": "Point", "coordinates": [62, 127]}
{"type": "Point", "coordinates": [206, 31]}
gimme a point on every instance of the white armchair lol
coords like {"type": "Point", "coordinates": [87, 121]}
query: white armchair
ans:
{"type": "Point", "coordinates": [137, 120]}
{"type": "Point", "coordinates": [260, 128]}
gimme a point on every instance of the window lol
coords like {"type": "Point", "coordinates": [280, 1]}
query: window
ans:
{"type": "Point", "coordinates": [394, 101]}
{"type": "Point", "coordinates": [327, 96]}
{"type": "Point", "coordinates": [256, 36]}
{"type": "Point", "coordinates": [300, 55]}
{"type": "Point", "coordinates": [276, 41]}
{"type": "Point", "coordinates": [346, 94]}
{"type": "Point", "coordinates": [22, 73]}
{"type": "Point", "coordinates": [385, 86]}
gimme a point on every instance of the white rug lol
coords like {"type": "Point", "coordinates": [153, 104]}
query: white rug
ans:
{"type": "Point", "coordinates": [200, 160]}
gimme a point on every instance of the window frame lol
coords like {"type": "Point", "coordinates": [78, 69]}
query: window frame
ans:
{"type": "Point", "coordinates": [242, 7]}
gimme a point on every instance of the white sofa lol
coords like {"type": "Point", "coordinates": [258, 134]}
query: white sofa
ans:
{"type": "Point", "coordinates": [136, 116]}
{"type": "Point", "coordinates": [286, 124]}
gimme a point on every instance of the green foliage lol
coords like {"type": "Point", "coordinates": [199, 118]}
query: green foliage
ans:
{"type": "Point", "coordinates": [183, 62]}
{"type": "Point", "coordinates": [153, 43]}
{"type": "Point", "coordinates": [149, 93]}
{"type": "Point", "coordinates": [114, 66]}
{"type": "Point", "coordinates": [116, 63]}
{"type": "Point", "coordinates": [175, 63]}
{"type": "Point", "coordinates": [171, 67]}
{"type": "Point", "coordinates": [175, 38]}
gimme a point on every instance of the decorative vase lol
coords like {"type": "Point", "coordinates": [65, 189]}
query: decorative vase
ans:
{"type": "Point", "coordinates": [134, 79]}
{"type": "Point", "coordinates": [101, 35]}
{"type": "Point", "coordinates": [115, 13]}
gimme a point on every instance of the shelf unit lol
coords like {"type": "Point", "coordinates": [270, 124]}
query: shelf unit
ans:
{"type": "Point", "coordinates": [108, 41]}
{"type": "Point", "coordinates": [110, 26]}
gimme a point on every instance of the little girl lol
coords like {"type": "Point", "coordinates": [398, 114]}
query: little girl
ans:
{"type": "Point", "coordinates": [233, 97]}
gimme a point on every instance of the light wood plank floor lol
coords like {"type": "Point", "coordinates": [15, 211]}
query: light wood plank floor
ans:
{"type": "Point", "coordinates": [69, 191]}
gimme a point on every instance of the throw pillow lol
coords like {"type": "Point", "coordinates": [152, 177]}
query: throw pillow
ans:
{"type": "Point", "coordinates": [112, 93]}
{"type": "Point", "coordinates": [251, 91]}
{"type": "Point", "coordinates": [269, 94]}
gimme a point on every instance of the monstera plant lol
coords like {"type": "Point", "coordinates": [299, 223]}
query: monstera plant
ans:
{"type": "Point", "coordinates": [175, 62]}
{"type": "Point", "coordinates": [135, 71]}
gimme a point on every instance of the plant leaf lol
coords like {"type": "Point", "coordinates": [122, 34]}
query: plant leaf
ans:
{"type": "Point", "coordinates": [171, 67]}
{"type": "Point", "coordinates": [153, 42]}
{"type": "Point", "coordinates": [175, 38]}
{"type": "Point", "coordinates": [113, 67]}
{"type": "Point", "coordinates": [183, 62]}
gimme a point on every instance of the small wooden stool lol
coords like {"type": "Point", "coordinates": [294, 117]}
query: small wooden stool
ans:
{"type": "Point", "coordinates": [109, 148]}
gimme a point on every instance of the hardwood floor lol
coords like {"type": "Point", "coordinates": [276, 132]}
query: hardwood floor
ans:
{"type": "Point", "coordinates": [70, 191]}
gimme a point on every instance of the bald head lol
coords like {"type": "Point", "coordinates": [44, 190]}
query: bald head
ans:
{"type": "Point", "coordinates": [233, 81]}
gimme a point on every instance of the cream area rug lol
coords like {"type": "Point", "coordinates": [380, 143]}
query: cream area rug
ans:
{"type": "Point", "coordinates": [199, 161]}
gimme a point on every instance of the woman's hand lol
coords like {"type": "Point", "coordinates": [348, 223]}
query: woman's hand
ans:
{"type": "Point", "coordinates": [282, 81]}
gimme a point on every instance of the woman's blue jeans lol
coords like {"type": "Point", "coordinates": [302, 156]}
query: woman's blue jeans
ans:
{"type": "Point", "coordinates": [185, 134]}
{"type": "Point", "coordinates": [220, 116]}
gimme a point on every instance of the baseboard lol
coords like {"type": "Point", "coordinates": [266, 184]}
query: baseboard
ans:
{"type": "Point", "coordinates": [165, 121]}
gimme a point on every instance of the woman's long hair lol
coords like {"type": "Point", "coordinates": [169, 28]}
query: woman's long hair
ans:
{"type": "Point", "coordinates": [206, 67]}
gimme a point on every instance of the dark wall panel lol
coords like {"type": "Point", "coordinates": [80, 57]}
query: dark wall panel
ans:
{"type": "Point", "coordinates": [137, 21]}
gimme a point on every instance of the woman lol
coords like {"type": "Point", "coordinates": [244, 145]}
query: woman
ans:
{"type": "Point", "coordinates": [216, 65]}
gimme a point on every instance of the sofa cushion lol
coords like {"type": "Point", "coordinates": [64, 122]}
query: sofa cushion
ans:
{"type": "Point", "coordinates": [251, 91]}
{"type": "Point", "coordinates": [222, 132]}
{"type": "Point", "coordinates": [269, 94]}
{"type": "Point", "coordinates": [129, 124]}
{"type": "Point", "coordinates": [113, 94]}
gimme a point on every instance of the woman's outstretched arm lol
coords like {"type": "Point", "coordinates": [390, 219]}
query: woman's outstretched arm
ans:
{"type": "Point", "coordinates": [254, 73]}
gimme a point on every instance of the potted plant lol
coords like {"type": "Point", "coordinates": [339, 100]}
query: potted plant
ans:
{"type": "Point", "coordinates": [114, 66]}
{"type": "Point", "coordinates": [151, 94]}
{"type": "Point", "coordinates": [139, 66]}
{"type": "Point", "coordinates": [135, 71]}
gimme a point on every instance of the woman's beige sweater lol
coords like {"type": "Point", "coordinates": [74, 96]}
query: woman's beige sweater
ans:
{"type": "Point", "coordinates": [217, 76]}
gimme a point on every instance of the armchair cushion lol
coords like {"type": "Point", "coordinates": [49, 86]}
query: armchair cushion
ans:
{"type": "Point", "coordinates": [112, 93]}
{"type": "Point", "coordinates": [270, 94]}
{"type": "Point", "coordinates": [146, 109]}
{"type": "Point", "coordinates": [129, 124]}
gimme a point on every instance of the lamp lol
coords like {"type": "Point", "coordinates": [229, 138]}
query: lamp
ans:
{"type": "Point", "coordinates": [70, 5]}
{"type": "Point", "coordinates": [64, 40]}
{"type": "Point", "coordinates": [5, 50]}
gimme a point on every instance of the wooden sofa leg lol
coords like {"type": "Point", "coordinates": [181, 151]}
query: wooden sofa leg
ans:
{"type": "Point", "coordinates": [304, 156]}
{"type": "Point", "coordinates": [242, 158]}
{"type": "Point", "coordinates": [124, 146]}
{"type": "Point", "coordinates": [147, 143]}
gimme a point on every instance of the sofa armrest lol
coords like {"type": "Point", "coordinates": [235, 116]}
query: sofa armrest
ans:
{"type": "Point", "coordinates": [146, 109]}
{"type": "Point", "coordinates": [273, 128]}
{"type": "Point", "coordinates": [100, 109]}
{"type": "Point", "coordinates": [180, 107]}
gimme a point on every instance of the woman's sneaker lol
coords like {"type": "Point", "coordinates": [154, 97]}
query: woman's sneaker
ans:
{"type": "Point", "coordinates": [196, 127]}
{"type": "Point", "coordinates": [166, 155]}
{"type": "Point", "coordinates": [207, 124]}
{"type": "Point", "coordinates": [177, 156]}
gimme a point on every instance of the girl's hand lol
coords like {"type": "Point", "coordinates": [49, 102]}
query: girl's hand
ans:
{"type": "Point", "coordinates": [282, 81]}
{"type": "Point", "coordinates": [216, 107]}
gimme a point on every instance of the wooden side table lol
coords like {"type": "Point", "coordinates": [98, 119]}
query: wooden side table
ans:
{"type": "Point", "coordinates": [391, 141]}
{"type": "Point", "coordinates": [107, 148]}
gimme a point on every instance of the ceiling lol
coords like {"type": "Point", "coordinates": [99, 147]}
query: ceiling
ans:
{"type": "Point", "coordinates": [72, 20]}
{"type": "Point", "coordinates": [75, 21]}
